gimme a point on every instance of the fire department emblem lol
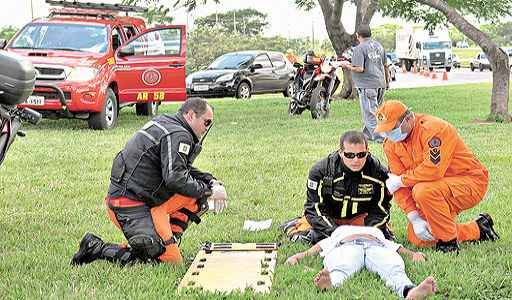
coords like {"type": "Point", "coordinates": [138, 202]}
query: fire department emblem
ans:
{"type": "Point", "coordinates": [381, 117]}
{"type": "Point", "coordinates": [151, 77]}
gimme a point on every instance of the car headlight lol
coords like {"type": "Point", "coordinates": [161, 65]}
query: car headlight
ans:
{"type": "Point", "coordinates": [226, 77]}
{"type": "Point", "coordinates": [188, 81]}
{"type": "Point", "coordinates": [82, 74]}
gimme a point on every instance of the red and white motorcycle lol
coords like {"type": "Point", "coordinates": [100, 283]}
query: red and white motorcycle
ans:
{"type": "Point", "coordinates": [315, 85]}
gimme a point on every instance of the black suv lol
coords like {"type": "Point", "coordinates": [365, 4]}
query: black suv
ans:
{"type": "Point", "coordinates": [242, 74]}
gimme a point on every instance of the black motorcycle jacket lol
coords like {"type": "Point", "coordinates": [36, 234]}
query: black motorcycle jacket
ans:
{"type": "Point", "coordinates": [156, 163]}
{"type": "Point", "coordinates": [336, 192]}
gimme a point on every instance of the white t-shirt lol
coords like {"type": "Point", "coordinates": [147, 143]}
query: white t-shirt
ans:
{"type": "Point", "coordinates": [343, 231]}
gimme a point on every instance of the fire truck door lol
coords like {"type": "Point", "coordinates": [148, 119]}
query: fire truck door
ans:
{"type": "Point", "coordinates": [151, 67]}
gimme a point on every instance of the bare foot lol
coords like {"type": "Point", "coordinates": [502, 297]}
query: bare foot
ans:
{"type": "Point", "coordinates": [323, 280]}
{"type": "Point", "coordinates": [423, 290]}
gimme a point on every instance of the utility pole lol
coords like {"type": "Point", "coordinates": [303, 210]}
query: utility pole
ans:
{"type": "Point", "coordinates": [313, 33]}
{"type": "Point", "coordinates": [32, 9]}
{"type": "Point", "coordinates": [234, 20]}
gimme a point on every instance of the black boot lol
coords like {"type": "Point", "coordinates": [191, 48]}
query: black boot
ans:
{"type": "Point", "coordinates": [449, 246]}
{"type": "Point", "coordinates": [486, 224]}
{"type": "Point", "coordinates": [90, 249]}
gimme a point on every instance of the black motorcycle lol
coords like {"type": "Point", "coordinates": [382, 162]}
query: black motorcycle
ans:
{"type": "Point", "coordinates": [314, 85]}
{"type": "Point", "coordinates": [17, 79]}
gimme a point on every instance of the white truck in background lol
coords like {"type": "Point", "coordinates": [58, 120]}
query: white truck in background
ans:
{"type": "Point", "coordinates": [424, 49]}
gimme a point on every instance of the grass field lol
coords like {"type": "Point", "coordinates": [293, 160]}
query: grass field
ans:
{"type": "Point", "coordinates": [53, 183]}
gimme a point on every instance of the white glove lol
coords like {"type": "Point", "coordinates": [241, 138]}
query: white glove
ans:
{"type": "Point", "coordinates": [394, 182]}
{"type": "Point", "coordinates": [420, 226]}
{"type": "Point", "coordinates": [219, 197]}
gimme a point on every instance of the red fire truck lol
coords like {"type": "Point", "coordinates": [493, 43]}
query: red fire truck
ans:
{"type": "Point", "coordinates": [91, 61]}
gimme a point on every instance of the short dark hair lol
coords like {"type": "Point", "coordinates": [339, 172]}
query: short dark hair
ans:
{"type": "Point", "coordinates": [364, 31]}
{"type": "Point", "coordinates": [353, 137]}
{"type": "Point", "coordinates": [196, 104]}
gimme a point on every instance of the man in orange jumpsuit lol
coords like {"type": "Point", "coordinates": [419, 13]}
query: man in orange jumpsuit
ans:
{"type": "Point", "coordinates": [433, 177]}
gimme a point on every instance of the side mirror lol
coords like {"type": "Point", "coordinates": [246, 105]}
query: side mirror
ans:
{"type": "Point", "coordinates": [3, 43]}
{"type": "Point", "coordinates": [126, 51]}
{"type": "Point", "coordinates": [256, 66]}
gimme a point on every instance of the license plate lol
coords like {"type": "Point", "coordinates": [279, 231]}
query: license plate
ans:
{"type": "Point", "coordinates": [35, 100]}
{"type": "Point", "coordinates": [201, 87]}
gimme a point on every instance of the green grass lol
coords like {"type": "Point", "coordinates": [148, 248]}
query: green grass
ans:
{"type": "Point", "coordinates": [53, 183]}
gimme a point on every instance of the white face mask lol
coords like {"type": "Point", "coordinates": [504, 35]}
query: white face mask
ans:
{"type": "Point", "coordinates": [396, 135]}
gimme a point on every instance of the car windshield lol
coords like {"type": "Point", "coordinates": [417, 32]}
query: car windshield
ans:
{"type": "Point", "coordinates": [231, 61]}
{"type": "Point", "coordinates": [70, 37]}
{"type": "Point", "coordinates": [483, 56]}
{"type": "Point", "coordinates": [437, 45]}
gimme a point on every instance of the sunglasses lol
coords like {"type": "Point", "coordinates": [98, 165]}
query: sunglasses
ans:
{"type": "Point", "coordinates": [208, 122]}
{"type": "Point", "coordinates": [352, 155]}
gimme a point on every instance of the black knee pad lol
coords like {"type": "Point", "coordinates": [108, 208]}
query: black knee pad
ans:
{"type": "Point", "coordinates": [146, 247]}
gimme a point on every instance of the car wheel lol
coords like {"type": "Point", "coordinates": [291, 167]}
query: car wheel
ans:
{"type": "Point", "coordinates": [431, 69]}
{"type": "Point", "coordinates": [481, 67]}
{"type": "Point", "coordinates": [472, 67]}
{"type": "Point", "coordinates": [289, 89]}
{"type": "Point", "coordinates": [243, 91]}
{"type": "Point", "coordinates": [107, 117]}
{"type": "Point", "coordinates": [147, 109]}
{"type": "Point", "coordinates": [319, 105]}
{"type": "Point", "coordinates": [448, 69]}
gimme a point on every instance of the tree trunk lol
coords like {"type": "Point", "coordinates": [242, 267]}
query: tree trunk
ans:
{"type": "Point", "coordinates": [340, 39]}
{"type": "Point", "coordinates": [497, 57]}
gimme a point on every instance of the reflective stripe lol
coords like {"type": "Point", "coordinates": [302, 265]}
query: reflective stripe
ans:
{"type": "Point", "coordinates": [344, 209]}
{"type": "Point", "coordinates": [149, 136]}
{"type": "Point", "coordinates": [354, 207]}
{"type": "Point", "coordinates": [169, 143]}
{"type": "Point", "coordinates": [361, 199]}
{"type": "Point", "coordinates": [323, 217]}
{"type": "Point", "coordinates": [382, 186]}
{"type": "Point", "coordinates": [319, 191]}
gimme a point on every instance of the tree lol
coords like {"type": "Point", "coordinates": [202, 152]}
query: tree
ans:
{"type": "Point", "coordinates": [499, 32]}
{"type": "Point", "coordinates": [342, 40]}
{"type": "Point", "coordinates": [156, 14]}
{"type": "Point", "coordinates": [386, 35]}
{"type": "Point", "coordinates": [245, 21]}
{"type": "Point", "coordinates": [435, 12]}
{"type": "Point", "coordinates": [7, 32]}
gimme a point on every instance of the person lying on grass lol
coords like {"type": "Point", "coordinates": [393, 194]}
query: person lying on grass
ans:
{"type": "Point", "coordinates": [350, 248]}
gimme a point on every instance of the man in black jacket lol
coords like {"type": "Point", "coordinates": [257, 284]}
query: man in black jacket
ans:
{"type": "Point", "coordinates": [154, 189]}
{"type": "Point", "coordinates": [346, 188]}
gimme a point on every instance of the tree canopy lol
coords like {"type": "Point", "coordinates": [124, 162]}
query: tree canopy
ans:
{"type": "Point", "coordinates": [245, 21]}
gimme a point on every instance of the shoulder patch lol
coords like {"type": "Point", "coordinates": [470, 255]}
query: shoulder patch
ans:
{"type": "Point", "coordinates": [312, 184]}
{"type": "Point", "coordinates": [434, 142]}
{"type": "Point", "coordinates": [184, 148]}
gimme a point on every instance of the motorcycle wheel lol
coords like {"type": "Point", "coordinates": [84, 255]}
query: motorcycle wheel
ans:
{"type": "Point", "coordinates": [319, 105]}
{"type": "Point", "coordinates": [293, 107]}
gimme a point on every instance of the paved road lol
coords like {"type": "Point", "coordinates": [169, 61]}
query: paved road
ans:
{"type": "Point", "coordinates": [456, 76]}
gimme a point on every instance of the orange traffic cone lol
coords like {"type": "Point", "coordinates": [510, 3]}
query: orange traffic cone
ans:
{"type": "Point", "coordinates": [445, 75]}
{"type": "Point", "coordinates": [434, 75]}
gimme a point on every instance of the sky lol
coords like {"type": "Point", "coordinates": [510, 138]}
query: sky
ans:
{"type": "Point", "coordinates": [284, 17]}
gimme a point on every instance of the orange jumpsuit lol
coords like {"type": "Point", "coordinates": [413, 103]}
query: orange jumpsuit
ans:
{"type": "Point", "coordinates": [442, 178]}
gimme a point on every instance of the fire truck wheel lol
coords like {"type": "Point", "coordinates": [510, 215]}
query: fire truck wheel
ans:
{"type": "Point", "coordinates": [107, 118]}
{"type": "Point", "coordinates": [147, 109]}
